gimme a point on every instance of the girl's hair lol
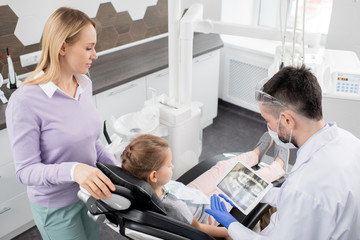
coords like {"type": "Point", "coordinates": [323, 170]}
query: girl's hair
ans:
{"type": "Point", "coordinates": [144, 154]}
{"type": "Point", "coordinates": [62, 26]}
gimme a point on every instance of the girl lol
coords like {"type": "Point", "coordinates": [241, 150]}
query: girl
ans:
{"type": "Point", "coordinates": [149, 157]}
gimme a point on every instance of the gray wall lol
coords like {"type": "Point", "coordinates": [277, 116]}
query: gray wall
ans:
{"type": "Point", "coordinates": [344, 33]}
{"type": "Point", "coordinates": [114, 29]}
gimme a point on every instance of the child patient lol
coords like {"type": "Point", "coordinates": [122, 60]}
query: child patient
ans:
{"type": "Point", "coordinates": [149, 157]}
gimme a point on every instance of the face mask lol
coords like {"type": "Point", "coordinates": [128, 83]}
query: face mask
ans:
{"type": "Point", "coordinates": [275, 137]}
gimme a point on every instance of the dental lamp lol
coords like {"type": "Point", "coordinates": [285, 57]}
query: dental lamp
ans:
{"type": "Point", "coordinates": [181, 32]}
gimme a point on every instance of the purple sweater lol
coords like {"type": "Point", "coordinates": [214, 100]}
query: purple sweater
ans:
{"type": "Point", "coordinates": [48, 135]}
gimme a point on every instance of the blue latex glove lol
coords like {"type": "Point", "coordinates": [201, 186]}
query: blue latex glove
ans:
{"type": "Point", "coordinates": [226, 199]}
{"type": "Point", "coordinates": [219, 211]}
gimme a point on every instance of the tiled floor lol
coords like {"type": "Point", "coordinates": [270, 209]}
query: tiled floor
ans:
{"type": "Point", "coordinates": [234, 130]}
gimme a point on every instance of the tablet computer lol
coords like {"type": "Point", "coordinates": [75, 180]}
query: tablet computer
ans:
{"type": "Point", "coordinates": [243, 186]}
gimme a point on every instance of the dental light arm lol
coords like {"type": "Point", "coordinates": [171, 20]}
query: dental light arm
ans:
{"type": "Point", "coordinates": [181, 43]}
{"type": "Point", "coordinates": [174, 16]}
{"type": "Point", "coordinates": [192, 22]}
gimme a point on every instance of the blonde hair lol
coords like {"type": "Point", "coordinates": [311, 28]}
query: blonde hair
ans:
{"type": "Point", "coordinates": [144, 154]}
{"type": "Point", "coordinates": [62, 26]}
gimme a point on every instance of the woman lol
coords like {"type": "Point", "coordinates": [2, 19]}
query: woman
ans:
{"type": "Point", "coordinates": [54, 130]}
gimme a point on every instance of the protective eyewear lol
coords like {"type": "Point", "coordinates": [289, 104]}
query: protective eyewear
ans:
{"type": "Point", "coordinates": [265, 98]}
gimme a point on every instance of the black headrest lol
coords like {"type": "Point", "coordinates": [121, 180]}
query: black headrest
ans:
{"type": "Point", "coordinates": [145, 196]}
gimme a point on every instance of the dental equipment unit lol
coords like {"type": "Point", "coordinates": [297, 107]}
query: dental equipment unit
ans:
{"type": "Point", "coordinates": [12, 83]}
{"type": "Point", "coordinates": [2, 95]}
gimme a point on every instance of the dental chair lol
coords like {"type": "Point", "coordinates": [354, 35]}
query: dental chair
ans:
{"type": "Point", "coordinates": [137, 212]}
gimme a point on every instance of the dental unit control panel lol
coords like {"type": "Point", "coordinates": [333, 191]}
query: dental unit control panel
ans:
{"type": "Point", "coordinates": [347, 83]}
{"type": "Point", "coordinates": [337, 71]}
{"type": "Point", "coordinates": [341, 76]}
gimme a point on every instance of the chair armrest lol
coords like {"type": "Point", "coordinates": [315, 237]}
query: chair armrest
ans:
{"type": "Point", "coordinates": [106, 134]}
{"type": "Point", "coordinates": [158, 225]}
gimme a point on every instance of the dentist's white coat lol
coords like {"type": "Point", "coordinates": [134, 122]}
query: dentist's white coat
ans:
{"type": "Point", "coordinates": [321, 197]}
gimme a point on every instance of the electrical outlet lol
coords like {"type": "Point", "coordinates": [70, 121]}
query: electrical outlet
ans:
{"type": "Point", "coordinates": [30, 58]}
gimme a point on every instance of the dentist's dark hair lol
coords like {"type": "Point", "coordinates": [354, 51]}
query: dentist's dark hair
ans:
{"type": "Point", "coordinates": [298, 88]}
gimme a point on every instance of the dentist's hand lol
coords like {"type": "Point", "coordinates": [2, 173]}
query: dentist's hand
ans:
{"type": "Point", "coordinates": [219, 211]}
{"type": "Point", "coordinates": [226, 199]}
{"type": "Point", "coordinates": [93, 180]}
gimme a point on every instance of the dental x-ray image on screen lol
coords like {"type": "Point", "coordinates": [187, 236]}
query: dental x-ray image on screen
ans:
{"type": "Point", "coordinates": [243, 187]}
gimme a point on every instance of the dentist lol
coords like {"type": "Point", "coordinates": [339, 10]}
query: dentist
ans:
{"type": "Point", "coordinates": [54, 130]}
{"type": "Point", "coordinates": [320, 197]}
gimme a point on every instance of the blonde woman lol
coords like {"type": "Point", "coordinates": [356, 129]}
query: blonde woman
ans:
{"type": "Point", "coordinates": [54, 130]}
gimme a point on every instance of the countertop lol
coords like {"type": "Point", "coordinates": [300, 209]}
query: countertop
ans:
{"type": "Point", "coordinates": [125, 65]}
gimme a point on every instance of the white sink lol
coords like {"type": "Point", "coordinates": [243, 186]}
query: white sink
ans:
{"type": "Point", "coordinates": [132, 124]}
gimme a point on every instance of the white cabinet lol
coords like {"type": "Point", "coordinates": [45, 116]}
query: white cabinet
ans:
{"type": "Point", "coordinates": [159, 81]}
{"type": "Point", "coordinates": [245, 62]}
{"type": "Point", "coordinates": [4, 148]}
{"type": "Point", "coordinates": [205, 84]}
{"type": "Point", "coordinates": [15, 216]}
{"type": "Point", "coordinates": [15, 212]}
{"type": "Point", "coordinates": [9, 183]}
{"type": "Point", "coordinates": [126, 98]}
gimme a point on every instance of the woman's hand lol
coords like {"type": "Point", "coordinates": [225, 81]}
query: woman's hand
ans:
{"type": "Point", "coordinates": [93, 180]}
